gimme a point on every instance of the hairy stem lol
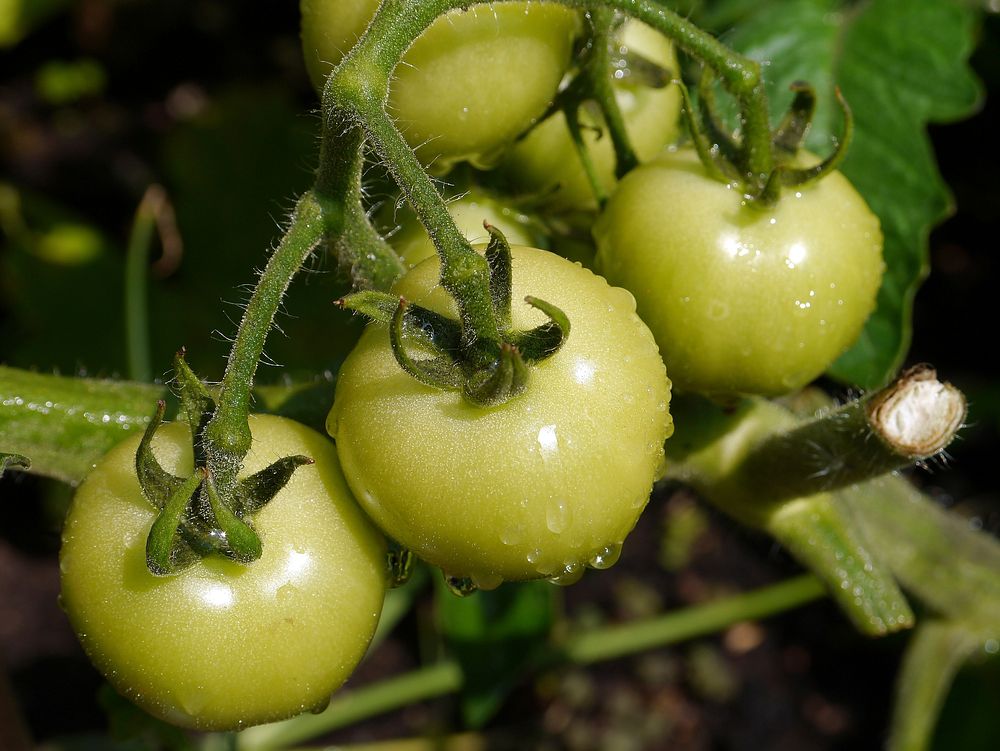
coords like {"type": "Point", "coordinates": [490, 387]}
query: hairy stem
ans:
{"type": "Point", "coordinates": [370, 260]}
{"type": "Point", "coordinates": [914, 418]}
{"type": "Point", "coordinates": [228, 432]}
{"type": "Point", "coordinates": [933, 657]}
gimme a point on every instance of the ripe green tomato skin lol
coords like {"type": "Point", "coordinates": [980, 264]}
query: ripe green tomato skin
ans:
{"type": "Point", "coordinates": [545, 162]}
{"type": "Point", "coordinates": [471, 83]}
{"type": "Point", "coordinates": [541, 486]}
{"type": "Point", "coordinates": [741, 300]}
{"type": "Point", "coordinates": [220, 645]}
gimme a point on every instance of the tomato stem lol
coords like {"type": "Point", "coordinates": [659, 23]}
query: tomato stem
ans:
{"type": "Point", "coordinates": [359, 248]}
{"type": "Point", "coordinates": [228, 433]}
{"type": "Point", "coordinates": [597, 70]}
{"type": "Point", "coordinates": [911, 420]}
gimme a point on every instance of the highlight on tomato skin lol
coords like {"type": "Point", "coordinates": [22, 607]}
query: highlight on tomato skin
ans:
{"type": "Point", "coordinates": [470, 84]}
{"type": "Point", "coordinates": [741, 300]}
{"type": "Point", "coordinates": [222, 646]}
{"type": "Point", "coordinates": [542, 486]}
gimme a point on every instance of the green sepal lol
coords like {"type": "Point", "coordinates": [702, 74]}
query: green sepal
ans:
{"type": "Point", "coordinates": [440, 372]}
{"type": "Point", "coordinates": [542, 341]}
{"type": "Point", "coordinates": [156, 483]}
{"type": "Point", "coordinates": [399, 564]}
{"type": "Point", "coordinates": [708, 153]}
{"type": "Point", "coordinates": [499, 261]}
{"type": "Point", "coordinates": [713, 127]}
{"type": "Point", "coordinates": [8, 461]}
{"type": "Point", "coordinates": [420, 322]}
{"type": "Point", "coordinates": [197, 404]}
{"type": "Point", "coordinates": [167, 552]}
{"type": "Point", "coordinates": [241, 541]}
{"type": "Point", "coordinates": [256, 491]}
{"type": "Point", "coordinates": [506, 379]}
{"type": "Point", "coordinates": [787, 138]}
{"type": "Point", "coordinates": [792, 176]}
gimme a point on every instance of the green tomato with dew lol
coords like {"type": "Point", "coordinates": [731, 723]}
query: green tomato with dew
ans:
{"type": "Point", "coordinates": [470, 84]}
{"type": "Point", "coordinates": [220, 645]}
{"type": "Point", "coordinates": [541, 486]}
{"type": "Point", "coordinates": [741, 299]}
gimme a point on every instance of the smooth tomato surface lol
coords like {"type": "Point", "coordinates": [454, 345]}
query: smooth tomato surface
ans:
{"type": "Point", "coordinates": [471, 83]}
{"type": "Point", "coordinates": [741, 300]}
{"type": "Point", "coordinates": [221, 645]}
{"type": "Point", "coordinates": [541, 486]}
{"type": "Point", "coordinates": [545, 163]}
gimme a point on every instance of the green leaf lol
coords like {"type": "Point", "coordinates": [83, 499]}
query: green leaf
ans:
{"type": "Point", "coordinates": [496, 636]}
{"type": "Point", "coordinates": [901, 65]}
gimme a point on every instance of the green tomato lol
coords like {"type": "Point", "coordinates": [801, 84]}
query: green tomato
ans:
{"type": "Point", "coordinates": [741, 300]}
{"type": "Point", "coordinates": [542, 486]}
{"type": "Point", "coordinates": [545, 162]}
{"type": "Point", "coordinates": [469, 211]}
{"type": "Point", "coordinates": [221, 645]}
{"type": "Point", "coordinates": [470, 84]}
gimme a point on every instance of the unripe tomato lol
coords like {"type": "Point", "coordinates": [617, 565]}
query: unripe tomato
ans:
{"type": "Point", "coordinates": [540, 486]}
{"type": "Point", "coordinates": [471, 83]}
{"type": "Point", "coordinates": [545, 162]}
{"type": "Point", "coordinates": [741, 300]}
{"type": "Point", "coordinates": [222, 645]}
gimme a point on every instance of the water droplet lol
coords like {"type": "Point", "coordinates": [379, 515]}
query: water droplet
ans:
{"type": "Point", "coordinates": [462, 586]}
{"type": "Point", "coordinates": [486, 581]}
{"type": "Point", "coordinates": [606, 557]}
{"type": "Point", "coordinates": [286, 592]}
{"type": "Point", "coordinates": [193, 702]}
{"type": "Point", "coordinates": [512, 532]}
{"type": "Point", "coordinates": [557, 516]}
{"type": "Point", "coordinates": [570, 574]}
{"type": "Point", "coordinates": [533, 555]}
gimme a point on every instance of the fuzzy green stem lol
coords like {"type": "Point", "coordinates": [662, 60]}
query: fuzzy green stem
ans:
{"type": "Point", "coordinates": [618, 641]}
{"type": "Point", "coordinates": [933, 657]}
{"type": "Point", "coordinates": [359, 88]}
{"type": "Point", "coordinates": [418, 685]}
{"type": "Point", "coordinates": [601, 644]}
{"type": "Point", "coordinates": [936, 555]}
{"type": "Point", "coordinates": [357, 92]}
{"type": "Point", "coordinates": [740, 76]}
{"type": "Point", "coordinates": [598, 68]}
{"type": "Point", "coordinates": [137, 289]}
{"type": "Point", "coordinates": [823, 536]}
{"type": "Point", "coordinates": [371, 261]}
{"type": "Point", "coordinates": [229, 432]}
{"type": "Point", "coordinates": [912, 419]}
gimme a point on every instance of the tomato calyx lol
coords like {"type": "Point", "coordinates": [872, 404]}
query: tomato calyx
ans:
{"type": "Point", "coordinates": [486, 372]}
{"type": "Point", "coordinates": [726, 156]}
{"type": "Point", "coordinates": [208, 512]}
{"type": "Point", "coordinates": [601, 63]}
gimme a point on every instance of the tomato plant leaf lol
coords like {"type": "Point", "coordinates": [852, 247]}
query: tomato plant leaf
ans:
{"type": "Point", "coordinates": [900, 65]}
{"type": "Point", "coordinates": [496, 636]}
